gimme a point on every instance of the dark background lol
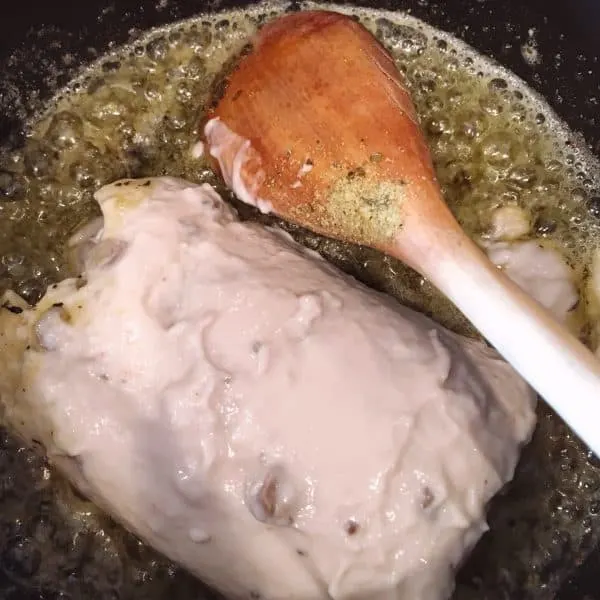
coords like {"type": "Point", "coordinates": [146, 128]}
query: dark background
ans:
{"type": "Point", "coordinates": [36, 35]}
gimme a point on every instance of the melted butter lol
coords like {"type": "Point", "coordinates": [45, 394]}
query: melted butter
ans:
{"type": "Point", "coordinates": [137, 112]}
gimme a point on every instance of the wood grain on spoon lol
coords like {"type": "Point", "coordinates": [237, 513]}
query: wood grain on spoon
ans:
{"type": "Point", "coordinates": [317, 125]}
{"type": "Point", "coordinates": [352, 149]}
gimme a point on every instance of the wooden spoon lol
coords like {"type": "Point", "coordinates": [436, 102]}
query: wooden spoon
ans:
{"type": "Point", "coordinates": [317, 126]}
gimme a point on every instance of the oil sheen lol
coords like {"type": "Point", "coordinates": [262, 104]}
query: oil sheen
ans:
{"type": "Point", "coordinates": [137, 112]}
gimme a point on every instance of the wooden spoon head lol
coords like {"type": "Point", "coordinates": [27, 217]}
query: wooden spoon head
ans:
{"type": "Point", "coordinates": [317, 124]}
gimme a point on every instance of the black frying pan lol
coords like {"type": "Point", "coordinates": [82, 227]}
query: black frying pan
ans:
{"type": "Point", "coordinates": [36, 34]}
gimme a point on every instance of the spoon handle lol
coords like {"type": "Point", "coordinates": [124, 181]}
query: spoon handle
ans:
{"type": "Point", "coordinates": [560, 368]}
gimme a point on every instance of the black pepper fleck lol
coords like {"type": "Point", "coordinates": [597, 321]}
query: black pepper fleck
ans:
{"type": "Point", "coordinates": [352, 527]}
{"type": "Point", "coordinates": [427, 498]}
{"type": "Point", "coordinates": [17, 310]}
{"type": "Point", "coordinates": [354, 173]}
{"type": "Point", "coordinates": [146, 183]}
{"type": "Point", "coordinates": [301, 552]}
{"type": "Point", "coordinates": [58, 304]}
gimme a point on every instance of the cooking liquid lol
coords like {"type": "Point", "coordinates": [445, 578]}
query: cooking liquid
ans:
{"type": "Point", "coordinates": [135, 113]}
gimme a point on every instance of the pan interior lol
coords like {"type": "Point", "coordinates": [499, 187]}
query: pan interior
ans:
{"type": "Point", "coordinates": [135, 113]}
